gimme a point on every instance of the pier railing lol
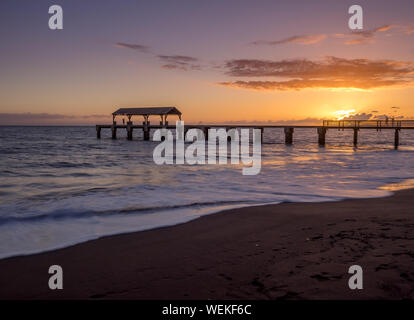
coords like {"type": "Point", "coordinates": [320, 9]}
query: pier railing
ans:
{"type": "Point", "coordinates": [379, 124]}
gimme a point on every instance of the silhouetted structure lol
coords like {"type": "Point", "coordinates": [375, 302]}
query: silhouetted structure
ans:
{"type": "Point", "coordinates": [146, 112]}
{"type": "Point", "coordinates": [354, 125]}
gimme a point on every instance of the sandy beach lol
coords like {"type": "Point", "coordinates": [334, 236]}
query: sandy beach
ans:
{"type": "Point", "coordinates": [284, 251]}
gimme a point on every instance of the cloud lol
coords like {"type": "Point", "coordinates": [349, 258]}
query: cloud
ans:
{"type": "Point", "coordinates": [306, 84]}
{"type": "Point", "coordinates": [363, 37]}
{"type": "Point", "coordinates": [359, 116]}
{"type": "Point", "coordinates": [408, 29]}
{"type": "Point", "coordinates": [331, 72]}
{"type": "Point", "coordinates": [184, 63]}
{"type": "Point", "coordinates": [137, 47]}
{"type": "Point", "coordinates": [302, 39]}
{"type": "Point", "coordinates": [370, 116]}
{"type": "Point", "coordinates": [351, 38]}
{"type": "Point", "coordinates": [178, 62]}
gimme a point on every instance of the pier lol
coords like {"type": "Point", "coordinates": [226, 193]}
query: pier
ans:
{"type": "Point", "coordinates": [163, 112]}
{"type": "Point", "coordinates": [289, 130]}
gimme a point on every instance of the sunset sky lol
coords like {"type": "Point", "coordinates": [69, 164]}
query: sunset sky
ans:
{"type": "Point", "coordinates": [215, 60]}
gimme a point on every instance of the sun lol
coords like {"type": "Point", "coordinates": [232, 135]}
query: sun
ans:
{"type": "Point", "coordinates": [342, 114]}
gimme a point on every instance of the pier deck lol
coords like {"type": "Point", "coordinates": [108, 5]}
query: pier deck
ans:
{"type": "Point", "coordinates": [355, 125]}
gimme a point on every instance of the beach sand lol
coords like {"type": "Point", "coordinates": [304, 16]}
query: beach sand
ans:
{"type": "Point", "coordinates": [284, 251]}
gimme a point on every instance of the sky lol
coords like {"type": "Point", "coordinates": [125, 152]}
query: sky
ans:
{"type": "Point", "coordinates": [216, 60]}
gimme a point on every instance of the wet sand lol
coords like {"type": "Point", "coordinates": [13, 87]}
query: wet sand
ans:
{"type": "Point", "coordinates": [284, 251]}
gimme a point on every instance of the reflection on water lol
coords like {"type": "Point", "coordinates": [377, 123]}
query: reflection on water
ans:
{"type": "Point", "coordinates": [405, 184]}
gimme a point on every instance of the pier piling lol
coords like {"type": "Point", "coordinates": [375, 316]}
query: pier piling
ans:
{"type": "Point", "coordinates": [356, 136]}
{"type": "Point", "coordinates": [397, 138]}
{"type": "Point", "coordinates": [206, 133]}
{"type": "Point", "coordinates": [129, 130]}
{"type": "Point", "coordinates": [289, 135]}
{"type": "Point", "coordinates": [113, 130]}
{"type": "Point", "coordinates": [98, 132]}
{"type": "Point", "coordinates": [146, 130]}
{"type": "Point", "coordinates": [322, 136]}
{"type": "Point", "coordinates": [229, 136]}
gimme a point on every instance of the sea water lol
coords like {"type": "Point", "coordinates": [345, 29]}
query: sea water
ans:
{"type": "Point", "coordinates": [61, 186]}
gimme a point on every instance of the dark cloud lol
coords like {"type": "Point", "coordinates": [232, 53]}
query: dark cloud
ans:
{"type": "Point", "coordinates": [329, 67]}
{"type": "Point", "coordinates": [179, 62]}
{"type": "Point", "coordinates": [137, 47]}
{"type": "Point", "coordinates": [302, 39]}
{"type": "Point", "coordinates": [178, 59]}
{"type": "Point", "coordinates": [331, 72]}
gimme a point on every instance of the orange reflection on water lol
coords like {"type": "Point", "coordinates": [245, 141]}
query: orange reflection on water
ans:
{"type": "Point", "coordinates": [406, 184]}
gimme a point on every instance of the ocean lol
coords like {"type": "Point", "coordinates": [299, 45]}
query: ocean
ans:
{"type": "Point", "coordinates": [61, 186]}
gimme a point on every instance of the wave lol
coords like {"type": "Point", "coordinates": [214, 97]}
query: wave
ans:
{"type": "Point", "coordinates": [63, 214]}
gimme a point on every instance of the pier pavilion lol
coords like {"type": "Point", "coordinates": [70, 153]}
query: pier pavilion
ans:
{"type": "Point", "coordinates": [145, 112]}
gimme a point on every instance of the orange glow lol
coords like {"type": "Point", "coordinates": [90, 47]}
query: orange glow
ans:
{"type": "Point", "coordinates": [342, 114]}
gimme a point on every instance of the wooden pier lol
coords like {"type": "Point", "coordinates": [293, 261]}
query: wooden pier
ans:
{"type": "Point", "coordinates": [163, 112]}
